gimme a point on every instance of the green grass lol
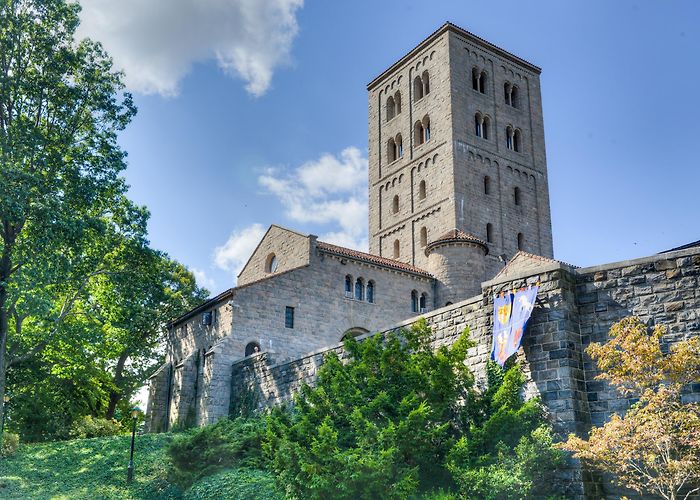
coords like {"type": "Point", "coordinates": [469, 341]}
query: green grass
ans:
{"type": "Point", "coordinates": [89, 468]}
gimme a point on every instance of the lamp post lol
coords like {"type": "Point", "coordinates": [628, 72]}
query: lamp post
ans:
{"type": "Point", "coordinates": [130, 470]}
{"type": "Point", "coordinates": [6, 400]}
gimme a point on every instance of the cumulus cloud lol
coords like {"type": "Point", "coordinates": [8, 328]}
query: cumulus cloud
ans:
{"type": "Point", "coordinates": [203, 279]}
{"type": "Point", "coordinates": [331, 190]}
{"type": "Point", "coordinates": [233, 255]}
{"type": "Point", "coordinates": [156, 42]}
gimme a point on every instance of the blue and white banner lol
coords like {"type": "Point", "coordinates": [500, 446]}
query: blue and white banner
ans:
{"type": "Point", "coordinates": [511, 314]}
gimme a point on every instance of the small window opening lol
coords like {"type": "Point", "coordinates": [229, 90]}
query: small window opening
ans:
{"type": "Point", "coordinates": [414, 301]}
{"type": "Point", "coordinates": [521, 241]}
{"type": "Point", "coordinates": [252, 348]}
{"type": "Point", "coordinates": [359, 289]}
{"type": "Point", "coordinates": [489, 233]}
{"type": "Point", "coordinates": [423, 237]}
{"type": "Point", "coordinates": [397, 249]}
{"type": "Point", "coordinates": [487, 185]}
{"type": "Point", "coordinates": [289, 317]}
{"type": "Point", "coordinates": [421, 190]}
{"type": "Point", "coordinates": [370, 292]}
{"type": "Point", "coordinates": [516, 195]}
{"type": "Point", "coordinates": [395, 204]}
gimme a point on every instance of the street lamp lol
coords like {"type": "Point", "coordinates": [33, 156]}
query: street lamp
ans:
{"type": "Point", "coordinates": [130, 471]}
{"type": "Point", "coordinates": [6, 400]}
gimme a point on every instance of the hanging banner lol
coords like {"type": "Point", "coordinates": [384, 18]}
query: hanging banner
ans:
{"type": "Point", "coordinates": [511, 314]}
{"type": "Point", "coordinates": [502, 307]}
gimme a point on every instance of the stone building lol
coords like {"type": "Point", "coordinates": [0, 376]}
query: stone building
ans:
{"type": "Point", "coordinates": [458, 211]}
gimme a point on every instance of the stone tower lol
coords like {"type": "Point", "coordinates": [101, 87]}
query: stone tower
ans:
{"type": "Point", "coordinates": [456, 142]}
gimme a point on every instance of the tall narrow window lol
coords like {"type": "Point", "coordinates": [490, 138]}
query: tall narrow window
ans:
{"type": "Point", "coordinates": [475, 79]}
{"type": "Point", "coordinates": [487, 185]}
{"type": "Point", "coordinates": [426, 83]}
{"type": "Point", "coordinates": [521, 241]}
{"type": "Point", "coordinates": [414, 301]}
{"type": "Point", "coordinates": [478, 123]}
{"type": "Point", "coordinates": [514, 97]}
{"type": "Point", "coordinates": [391, 150]}
{"type": "Point", "coordinates": [426, 127]}
{"type": "Point", "coordinates": [289, 317]}
{"type": "Point", "coordinates": [417, 89]}
{"type": "Point", "coordinates": [399, 146]}
{"type": "Point", "coordinates": [418, 137]}
{"type": "Point", "coordinates": [370, 292]}
{"type": "Point", "coordinates": [423, 237]}
{"type": "Point", "coordinates": [516, 140]}
{"type": "Point", "coordinates": [348, 286]}
{"type": "Point", "coordinates": [516, 195]}
{"type": "Point", "coordinates": [485, 127]}
{"type": "Point", "coordinates": [359, 289]}
{"type": "Point", "coordinates": [423, 302]}
{"type": "Point", "coordinates": [507, 92]}
{"type": "Point", "coordinates": [489, 233]}
{"type": "Point", "coordinates": [271, 263]}
{"type": "Point", "coordinates": [421, 190]}
{"type": "Point", "coordinates": [390, 108]}
{"type": "Point", "coordinates": [397, 102]}
{"type": "Point", "coordinates": [397, 249]}
{"type": "Point", "coordinates": [509, 137]}
{"type": "Point", "coordinates": [482, 82]}
{"type": "Point", "coordinates": [395, 204]}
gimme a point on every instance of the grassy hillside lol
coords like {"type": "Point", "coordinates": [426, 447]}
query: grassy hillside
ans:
{"type": "Point", "coordinates": [88, 468]}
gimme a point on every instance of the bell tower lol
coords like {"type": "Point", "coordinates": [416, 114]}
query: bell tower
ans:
{"type": "Point", "coordinates": [456, 142]}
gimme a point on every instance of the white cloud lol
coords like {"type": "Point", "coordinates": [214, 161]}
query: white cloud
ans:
{"type": "Point", "coordinates": [331, 190]}
{"type": "Point", "coordinates": [203, 279]}
{"type": "Point", "coordinates": [234, 254]}
{"type": "Point", "coordinates": [156, 42]}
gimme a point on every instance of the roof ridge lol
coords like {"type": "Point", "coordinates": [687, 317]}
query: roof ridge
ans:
{"type": "Point", "coordinates": [375, 259]}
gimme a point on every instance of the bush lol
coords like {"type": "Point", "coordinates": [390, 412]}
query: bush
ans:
{"type": "Point", "coordinates": [224, 445]}
{"type": "Point", "coordinates": [10, 443]}
{"type": "Point", "coordinates": [91, 427]}
{"type": "Point", "coordinates": [235, 484]}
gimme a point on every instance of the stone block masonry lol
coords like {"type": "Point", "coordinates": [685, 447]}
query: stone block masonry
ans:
{"type": "Point", "coordinates": [574, 307]}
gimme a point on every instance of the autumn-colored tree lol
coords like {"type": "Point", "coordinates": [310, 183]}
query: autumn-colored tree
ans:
{"type": "Point", "coordinates": [655, 446]}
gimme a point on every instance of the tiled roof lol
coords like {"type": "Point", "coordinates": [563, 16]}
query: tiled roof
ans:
{"type": "Point", "coordinates": [456, 235]}
{"type": "Point", "coordinates": [374, 259]}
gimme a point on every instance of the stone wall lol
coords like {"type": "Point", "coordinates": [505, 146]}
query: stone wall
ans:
{"type": "Point", "coordinates": [574, 307]}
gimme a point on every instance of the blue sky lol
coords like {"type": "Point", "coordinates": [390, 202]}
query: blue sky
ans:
{"type": "Point", "coordinates": [248, 109]}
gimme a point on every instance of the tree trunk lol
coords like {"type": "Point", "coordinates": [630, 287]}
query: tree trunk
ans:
{"type": "Point", "coordinates": [116, 395]}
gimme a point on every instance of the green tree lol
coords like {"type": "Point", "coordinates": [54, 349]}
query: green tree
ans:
{"type": "Point", "coordinates": [655, 447]}
{"type": "Point", "coordinates": [378, 426]}
{"type": "Point", "coordinates": [63, 211]}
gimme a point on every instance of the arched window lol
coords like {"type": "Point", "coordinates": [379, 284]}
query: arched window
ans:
{"type": "Point", "coordinates": [448, 304]}
{"type": "Point", "coordinates": [514, 97]}
{"type": "Point", "coordinates": [482, 82]}
{"type": "Point", "coordinates": [423, 302]}
{"type": "Point", "coordinates": [391, 150]}
{"type": "Point", "coordinates": [489, 233]}
{"type": "Point", "coordinates": [417, 89]}
{"type": "Point", "coordinates": [509, 137]}
{"type": "Point", "coordinates": [395, 204]}
{"type": "Point", "coordinates": [414, 301]}
{"type": "Point", "coordinates": [354, 332]}
{"type": "Point", "coordinates": [359, 289]}
{"type": "Point", "coordinates": [370, 291]}
{"type": "Point", "coordinates": [516, 195]}
{"type": "Point", "coordinates": [399, 146]}
{"type": "Point", "coordinates": [348, 286]}
{"type": "Point", "coordinates": [487, 185]}
{"type": "Point", "coordinates": [252, 348]}
{"type": "Point", "coordinates": [421, 190]}
{"type": "Point", "coordinates": [521, 241]}
{"type": "Point", "coordinates": [423, 236]}
{"type": "Point", "coordinates": [397, 102]}
{"type": "Point", "coordinates": [426, 128]}
{"type": "Point", "coordinates": [418, 136]}
{"type": "Point", "coordinates": [426, 83]}
{"type": "Point", "coordinates": [397, 249]}
{"type": "Point", "coordinates": [516, 140]}
{"type": "Point", "coordinates": [390, 108]}
{"type": "Point", "coordinates": [507, 90]}
{"type": "Point", "coordinates": [271, 263]}
{"type": "Point", "coordinates": [485, 127]}
{"type": "Point", "coordinates": [475, 79]}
